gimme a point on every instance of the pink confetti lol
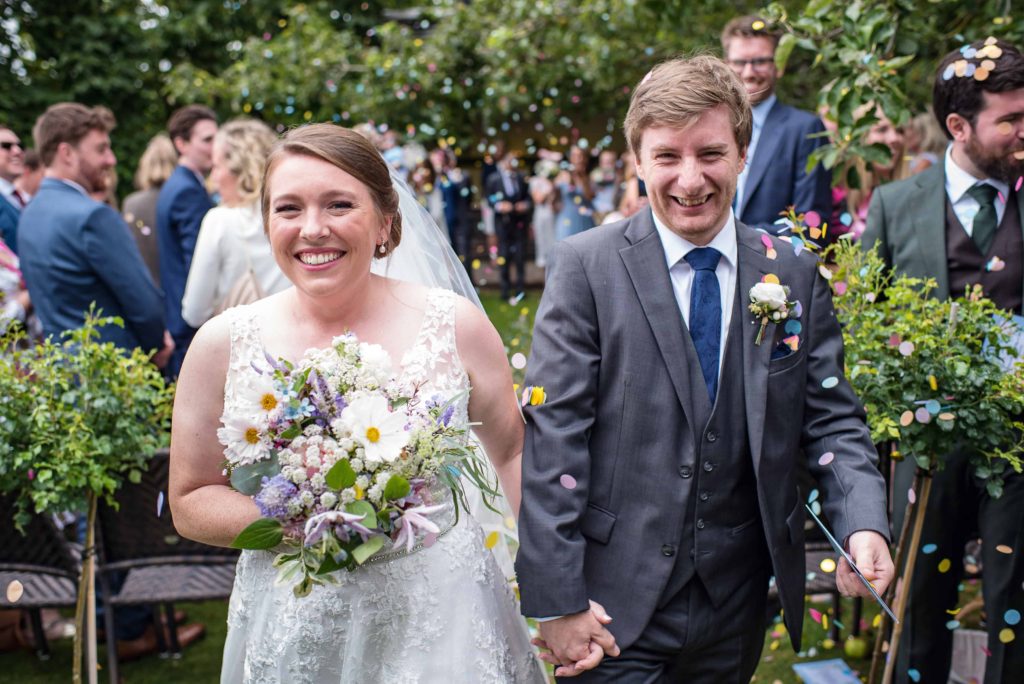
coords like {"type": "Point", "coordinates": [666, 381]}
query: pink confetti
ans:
{"type": "Point", "coordinates": [894, 340]}
{"type": "Point", "coordinates": [826, 458]}
{"type": "Point", "coordinates": [766, 241]}
{"type": "Point", "coordinates": [912, 495]}
{"type": "Point", "coordinates": [1020, 181]}
{"type": "Point", "coordinates": [815, 615]}
{"type": "Point", "coordinates": [906, 348]}
{"type": "Point", "coordinates": [812, 219]}
{"type": "Point", "coordinates": [31, 474]}
{"type": "Point", "coordinates": [1002, 198]}
{"type": "Point", "coordinates": [840, 288]}
{"type": "Point", "coordinates": [923, 416]}
{"type": "Point", "coordinates": [988, 653]}
{"type": "Point", "coordinates": [567, 481]}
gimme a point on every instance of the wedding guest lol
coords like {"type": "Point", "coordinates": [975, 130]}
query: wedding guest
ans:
{"type": "Point", "coordinates": [959, 222]}
{"type": "Point", "coordinates": [605, 180]}
{"type": "Point", "coordinates": [27, 184]}
{"type": "Point", "coordinates": [155, 167]}
{"type": "Point", "coordinates": [575, 196]}
{"type": "Point", "coordinates": [232, 263]}
{"type": "Point", "coordinates": [543, 193]}
{"type": "Point", "coordinates": [925, 142]}
{"type": "Point", "coordinates": [12, 166]}
{"type": "Point", "coordinates": [775, 175]}
{"type": "Point", "coordinates": [15, 302]}
{"type": "Point", "coordinates": [852, 204]}
{"type": "Point", "coordinates": [423, 181]}
{"type": "Point", "coordinates": [455, 194]}
{"type": "Point", "coordinates": [180, 208]}
{"type": "Point", "coordinates": [107, 192]}
{"type": "Point", "coordinates": [509, 195]}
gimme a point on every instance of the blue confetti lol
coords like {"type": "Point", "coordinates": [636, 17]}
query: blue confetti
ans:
{"type": "Point", "coordinates": [1011, 616]}
{"type": "Point", "coordinates": [914, 674]}
{"type": "Point", "coordinates": [793, 327]}
{"type": "Point", "coordinates": [953, 624]}
{"type": "Point", "coordinates": [845, 218]}
{"type": "Point", "coordinates": [932, 406]}
{"type": "Point", "coordinates": [813, 496]}
{"type": "Point", "coordinates": [929, 549]}
{"type": "Point", "coordinates": [830, 382]}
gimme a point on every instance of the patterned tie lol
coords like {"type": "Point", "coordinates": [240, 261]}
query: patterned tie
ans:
{"type": "Point", "coordinates": [985, 220]}
{"type": "Point", "coordinates": [706, 313]}
{"type": "Point", "coordinates": [20, 199]}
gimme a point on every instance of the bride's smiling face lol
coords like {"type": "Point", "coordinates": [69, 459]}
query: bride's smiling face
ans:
{"type": "Point", "coordinates": [323, 225]}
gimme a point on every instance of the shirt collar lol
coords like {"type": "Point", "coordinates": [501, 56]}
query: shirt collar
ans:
{"type": "Point", "coordinates": [761, 109]}
{"type": "Point", "coordinates": [71, 184]}
{"type": "Point", "coordinates": [677, 247]}
{"type": "Point", "coordinates": [959, 181]}
{"type": "Point", "coordinates": [6, 188]}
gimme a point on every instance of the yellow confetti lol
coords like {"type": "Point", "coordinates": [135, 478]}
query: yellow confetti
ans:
{"type": "Point", "coordinates": [827, 565]}
{"type": "Point", "coordinates": [771, 278]}
{"type": "Point", "coordinates": [510, 522]}
{"type": "Point", "coordinates": [828, 644]}
{"type": "Point", "coordinates": [492, 540]}
{"type": "Point", "coordinates": [475, 264]}
{"type": "Point", "coordinates": [757, 25]}
{"type": "Point", "coordinates": [877, 620]}
{"type": "Point", "coordinates": [1003, 548]}
{"type": "Point", "coordinates": [991, 40]}
{"type": "Point", "coordinates": [537, 396]}
{"type": "Point", "coordinates": [525, 311]}
{"type": "Point", "coordinates": [953, 611]}
{"type": "Point", "coordinates": [933, 383]}
{"type": "Point", "coordinates": [824, 621]}
{"type": "Point", "coordinates": [359, 493]}
{"type": "Point", "coordinates": [774, 646]}
{"type": "Point", "coordinates": [501, 261]}
{"type": "Point", "coordinates": [1006, 635]}
{"type": "Point", "coordinates": [14, 591]}
{"type": "Point", "coordinates": [947, 416]}
{"type": "Point", "coordinates": [771, 254]}
{"type": "Point", "coordinates": [944, 565]}
{"type": "Point", "coordinates": [960, 67]}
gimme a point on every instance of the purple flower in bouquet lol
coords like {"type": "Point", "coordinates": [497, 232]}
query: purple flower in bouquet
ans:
{"type": "Point", "coordinates": [273, 497]}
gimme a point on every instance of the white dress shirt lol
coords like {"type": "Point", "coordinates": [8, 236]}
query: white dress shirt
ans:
{"type": "Point", "coordinates": [958, 182]}
{"type": "Point", "coordinates": [7, 190]}
{"type": "Point", "coordinates": [682, 273]}
{"type": "Point", "coordinates": [760, 114]}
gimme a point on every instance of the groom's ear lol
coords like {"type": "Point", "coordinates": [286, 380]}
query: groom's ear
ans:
{"type": "Point", "coordinates": [638, 166]}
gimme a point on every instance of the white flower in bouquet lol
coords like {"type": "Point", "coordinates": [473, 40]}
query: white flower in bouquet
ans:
{"type": "Point", "coordinates": [260, 396]}
{"type": "Point", "coordinates": [245, 438]}
{"type": "Point", "coordinates": [375, 363]}
{"type": "Point", "coordinates": [380, 432]}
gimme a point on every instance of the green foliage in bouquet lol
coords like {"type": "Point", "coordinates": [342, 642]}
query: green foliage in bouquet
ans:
{"type": "Point", "coordinates": [76, 418]}
{"type": "Point", "coordinates": [933, 375]}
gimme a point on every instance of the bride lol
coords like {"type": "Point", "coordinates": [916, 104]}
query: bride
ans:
{"type": "Point", "coordinates": [443, 613]}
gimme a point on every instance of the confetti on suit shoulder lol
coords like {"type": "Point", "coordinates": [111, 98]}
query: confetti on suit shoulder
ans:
{"type": "Point", "coordinates": [826, 458]}
{"type": "Point", "coordinates": [830, 382]}
{"type": "Point", "coordinates": [567, 481]}
{"type": "Point", "coordinates": [995, 264]}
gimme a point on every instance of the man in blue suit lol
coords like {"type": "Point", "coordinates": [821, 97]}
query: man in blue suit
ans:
{"type": "Point", "coordinates": [783, 137]}
{"type": "Point", "coordinates": [74, 250]}
{"type": "Point", "coordinates": [180, 209]}
{"type": "Point", "coordinates": [12, 165]}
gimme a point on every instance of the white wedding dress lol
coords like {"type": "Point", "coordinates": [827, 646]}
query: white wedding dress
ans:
{"type": "Point", "coordinates": [442, 614]}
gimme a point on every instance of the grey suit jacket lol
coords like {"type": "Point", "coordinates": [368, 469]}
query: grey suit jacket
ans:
{"type": "Point", "coordinates": [608, 348]}
{"type": "Point", "coordinates": [907, 222]}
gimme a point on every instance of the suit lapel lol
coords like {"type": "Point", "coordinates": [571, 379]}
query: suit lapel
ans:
{"type": "Point", "coordinates": [645, 263]}
{"type": "Point", "coordinates": [752, 267]}
{"type": "Point", "coordinates": [767, 143]}
{"type": "Point", "coordinates": [928, 218]}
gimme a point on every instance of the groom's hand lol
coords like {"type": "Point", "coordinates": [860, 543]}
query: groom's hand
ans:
{"type": "Point", "coordinates": [577, 642]}
{"type": "Point", "coordinates": [870, 552]}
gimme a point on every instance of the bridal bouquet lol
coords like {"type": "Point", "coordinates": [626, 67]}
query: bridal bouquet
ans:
{"type": "Point", "coordinates": [340, 459]}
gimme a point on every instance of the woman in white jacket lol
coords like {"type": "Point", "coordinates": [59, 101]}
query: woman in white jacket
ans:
{"type": "Point", "coordinates": [231, 241]}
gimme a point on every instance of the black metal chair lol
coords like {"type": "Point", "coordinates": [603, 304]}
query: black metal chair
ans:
{"type": "Point", "coordinates": [139, 547]}
{"type": "Point", "coordinates": [45, 564]}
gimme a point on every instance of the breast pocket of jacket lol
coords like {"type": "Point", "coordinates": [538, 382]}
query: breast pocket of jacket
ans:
{"type": "Point", "coordinates": [785, 363]}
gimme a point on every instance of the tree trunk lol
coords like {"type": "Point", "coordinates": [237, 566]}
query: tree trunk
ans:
{"type": "Point", "coordinates": [85, 609]}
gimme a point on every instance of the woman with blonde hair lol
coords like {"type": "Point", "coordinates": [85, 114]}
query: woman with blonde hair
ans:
{"type": "Point", "coordinates": [232, 263]}
{"type": "Point", "coordinates": [156, 166]}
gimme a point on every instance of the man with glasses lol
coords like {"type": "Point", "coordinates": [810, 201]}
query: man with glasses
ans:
{"type": "Point", "coordinates": [12, 165]}
{"type": "Point", "coordinates": [783, 137]}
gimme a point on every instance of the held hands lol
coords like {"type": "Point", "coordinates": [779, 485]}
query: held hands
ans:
{"type": "Point", "coordinates": [577, 642]}
{"type": "Point", "coordinates": [870, 552]}
{"type": "Point", "coordinates": [162, 357]}
{"type": "Point", "coordinates": [503, 207]}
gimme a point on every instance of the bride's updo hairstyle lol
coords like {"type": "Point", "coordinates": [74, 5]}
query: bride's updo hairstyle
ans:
{"type": "Point", "coordinates": [350, 152]}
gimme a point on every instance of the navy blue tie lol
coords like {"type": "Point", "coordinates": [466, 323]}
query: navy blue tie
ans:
{"type": "Point", "coordinates": [706, 313]}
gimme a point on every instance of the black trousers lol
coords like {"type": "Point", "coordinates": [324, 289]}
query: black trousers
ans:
{"type": "Point", "coordinates": [959, 509]}
{"type": "Point", "coordinates": [512, 231]}
{"type": "Point", "coordinates": [690, 640]}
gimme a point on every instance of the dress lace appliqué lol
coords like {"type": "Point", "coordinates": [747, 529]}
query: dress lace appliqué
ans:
{"type": "Point", "coordinates": [443, 614]}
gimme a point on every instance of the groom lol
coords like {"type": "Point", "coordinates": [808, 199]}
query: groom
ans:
{"type": "Point", "coordinates": [660, 474]}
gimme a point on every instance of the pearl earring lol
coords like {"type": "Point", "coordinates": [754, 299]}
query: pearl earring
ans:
{"type": "Point", "coordinates": [382, 249]}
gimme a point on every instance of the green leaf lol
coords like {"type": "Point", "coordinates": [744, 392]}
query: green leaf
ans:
{"type": "Point", "coordinates": [784, 50]}
{"type": "Point", "coordinates": [341, 475]}
{"type": "Point", "coordinates": [396, 488]}
{"type": "Point", "coordinates": [265, 533]}
{"type": "Point", "coordinates": [292, 432]}
{"type": "Point", "coordinates": [364, 508]}
{"type": "Point", "coordinates": [367, 549]}
{"type": "Point", "coordinates": [248, 478]}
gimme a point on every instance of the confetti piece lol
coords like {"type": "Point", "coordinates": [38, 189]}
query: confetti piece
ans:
{"type": "Point", "coordinates": [876, 621]}
{"type": "Point", "coordinates": [1012, 617]}
{"type": "Point", "coordinates": [519, 361]}
{"type": "Point", "coordinates": [757, 25]}
{"type": "Point", "coordinates": [771, 254]}
{"type": "Point", "coordinates": [567, 481]}
{"type": "Point", "coordinates": [929, 548]}
{"type": "Point", "coordinates": [906, 348]}
{"type": "Point", "coordinates": [894, 340]}
{"type": "Point", "coordinates": [825, 272]}
{"type": "Point", "coordinates": [793, 327]}
{"type": "Point", "coordinates": [912, 495]}
{"type": "Point", "coordinates": [1003, 548]}
{"type": "Point", "coordinates": [827, 565]}
{"type": "Point", "coordinates": [510, 522]}
{"type": "Point", "coordinates": [932, 406]}
{"type": "Point", "coordinates": [1020, 182]}
{"type": "Point", "coordinates": [766, 241]}
{"type": "Point", "coordinates": [771, 278]}
{"type": "Point", "coordinates": [798, 245]}
{"type": "Point", "coordinates": [159, 504]}
{"type": "Point", "coordinates": [995, 264]}
{"type": "Point", "coordinates": [907, 418]}
{"type": "Point", "coordinates": [947, 416]}
{"type": "Point", "coordinates": [798, 309]}
{"type": "Point", "coordinates": [492, 540]}
{"type": "Point", "coordinates": [944, 565]}
{"type": "Point", "coordinates": [815, 615]}
{"type": "Point", "coordinates": [1006, 635]}
{"type": "Point", "coordinates": [826, 458]}
{"type": "Point", "coordinates": [813, 496]}
{"type": "Point", "coordinates": [793, 342]}
{"type": "Point", "coordinates": [816, 232]}
{"type": "Point", "coordinates": [933, 383]}
{"type": "Point", "coordinates": [914, 675]}
{"type": "Point", "coordinates": [15, 590]}
{"type": "Point", "coordinates": [812, 219]}
{"type": "Point", "coordinates": [922, 416]}
{"type": "Point", "coordinates": [830, 382]}
{"type": "Point", "coordinates": [986, 651]}
{"type": "Point", "coordinates": [960, 67]}
{"type": "Point", "coordinates": [839, 287]}
{"type": "Point", "coordinates": [953, 624]}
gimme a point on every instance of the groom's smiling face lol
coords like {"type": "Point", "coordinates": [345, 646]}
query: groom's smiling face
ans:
{"type": "Point", "coordinates": [690, 174]}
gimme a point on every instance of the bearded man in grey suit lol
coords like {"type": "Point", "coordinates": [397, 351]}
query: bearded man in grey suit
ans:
{"type": "Point", "coordinates": [660, 474]}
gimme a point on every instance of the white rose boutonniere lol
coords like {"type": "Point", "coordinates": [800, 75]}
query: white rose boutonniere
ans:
{"type": "Point", "coordinates": [770, 303]}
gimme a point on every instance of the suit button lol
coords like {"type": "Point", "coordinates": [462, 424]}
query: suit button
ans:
{"type": "Point", "coordinates": [708, 466]}
{"type": "Point", "coordinates": [712, 436]}
{"type": "Point", "coordinates": [704, 496]}
{"type": "Point", "coordinates": [668, 550]}
{"type": "Point", "coordinates": [685, 472]}
{"type": "Point", "coordinates": [700, 523]}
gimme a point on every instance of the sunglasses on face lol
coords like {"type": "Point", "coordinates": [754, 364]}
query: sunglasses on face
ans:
{"type": "Point", "coordinates": [10, 144]}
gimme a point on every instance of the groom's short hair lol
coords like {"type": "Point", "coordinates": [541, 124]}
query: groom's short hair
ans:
{"type": "Point", "coordinates": [677, 92]}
